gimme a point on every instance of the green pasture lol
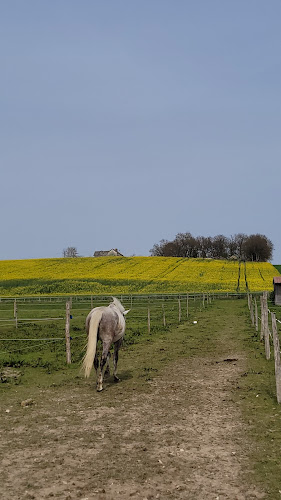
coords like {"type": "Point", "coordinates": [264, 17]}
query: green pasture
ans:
{"type": "Point", "coordinates": [37, 339]}
{"type": "Point", "coordinates": [223, 326]}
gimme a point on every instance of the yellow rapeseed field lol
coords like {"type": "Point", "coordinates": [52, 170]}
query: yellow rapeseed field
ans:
{"type": "Point", "coordinates": [131, 275]}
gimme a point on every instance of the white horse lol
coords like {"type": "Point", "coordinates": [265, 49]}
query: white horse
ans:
{"type": "Point", "coordinates": [108, 325]}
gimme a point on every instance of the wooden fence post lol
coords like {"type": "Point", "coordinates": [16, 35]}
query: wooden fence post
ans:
{"type": "Point", "coordinates": [252, 310]}
{"type": "Point", "coordinates": [264, 294]}
{"type": "Point", "coordinates": [203, 299]}
{"type": "Point", "coordinates": [187, 306]}
{"type": "Point", "coordinates": [91, 302]}
{"type": "Point", "coordinates": [179, 310]}
{"type": "Point", "coordinates": [262, 319]}
{"type": "Point", "coordinates": [67, 333]}
{"type": "Point", "coordinates": [276, 344]}
{"type": "Point", "coordinates": [164, 317]}
{"type": "Point", "coordinates": [256, 316]}
{"type": "Point", "coordinates": [266, 329]}
{"type": "Point", "coordinates": [16, 312]}
{"type": "Point", "coordinates": [148, 320]}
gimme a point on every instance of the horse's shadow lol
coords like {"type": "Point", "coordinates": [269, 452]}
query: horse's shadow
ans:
{"type": "Point", "coordinates": [124, 375]}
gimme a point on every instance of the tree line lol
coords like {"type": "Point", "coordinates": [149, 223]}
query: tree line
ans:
{"type": "Point", "coordinates": [255, 247]}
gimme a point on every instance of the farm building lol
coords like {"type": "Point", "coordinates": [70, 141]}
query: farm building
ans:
{"type": "Point", "coordinates": [277, 290]}
{"type": "Point", "coordinates": [108, 253]}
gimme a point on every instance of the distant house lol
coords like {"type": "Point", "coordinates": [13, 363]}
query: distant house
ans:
{"type": "Point", "coordinates": [277, 290]}
{"type": "Point", "coordinates": [108, 253]}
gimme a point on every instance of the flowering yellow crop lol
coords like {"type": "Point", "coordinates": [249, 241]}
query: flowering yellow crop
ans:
{"type": "Point", "coordinates": [131, 275]}
{"type": "Point", "coordinates": [259, 276]}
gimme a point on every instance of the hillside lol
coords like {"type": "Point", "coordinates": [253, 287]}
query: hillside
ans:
{"type": "Point", "coordinates": [117, 275]}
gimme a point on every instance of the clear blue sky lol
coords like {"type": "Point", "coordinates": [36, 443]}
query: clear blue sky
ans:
{"type": "Point", "coordinates": [126, 121]}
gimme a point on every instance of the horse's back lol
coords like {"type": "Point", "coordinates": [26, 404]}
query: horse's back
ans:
{"type": "Point", "coordinates": [108, 325]}
{"type": "Point", "coordinates": [111, 326]}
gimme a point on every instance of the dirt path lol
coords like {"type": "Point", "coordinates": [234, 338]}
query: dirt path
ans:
{"type": "Point", "coordinates": [181, 437]}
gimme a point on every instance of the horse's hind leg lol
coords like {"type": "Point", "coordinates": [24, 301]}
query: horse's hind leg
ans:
{"type": "Point", "coordinates": [107, 369]}
{"type": "Point", "coordinates": [115, 359]}
{"type": "Point", "coordinates": [103, 363]}
{"type": "Point", "coordinates": [96, 362]}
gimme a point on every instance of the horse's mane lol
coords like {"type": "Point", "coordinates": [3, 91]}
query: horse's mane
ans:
{"type": "Point", "coordinates": [118, 304]}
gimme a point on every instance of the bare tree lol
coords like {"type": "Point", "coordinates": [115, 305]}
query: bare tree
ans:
{"type": "Point", "coordinates": [158, 249]}
{"type": "Point", "coordinates": [187, 245]}
{"type": "Point", "coordinates": [257, 247]}
{"type": "Point", "coordinates": [205, 247]}
{"type": "Point", "coordinates": [220, 247]}
{"type": "Point", "coordinates": [70, 252]}
{"type": "Point", "coordinates": [165, 249]}
{"type": "Point", "coordinates": [238, 241]}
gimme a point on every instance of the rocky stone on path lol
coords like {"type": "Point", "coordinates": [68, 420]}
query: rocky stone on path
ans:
{"type": "Point", "coordinates": [8, 375]}
{"type": "Point", "coordinates": [27, 402]}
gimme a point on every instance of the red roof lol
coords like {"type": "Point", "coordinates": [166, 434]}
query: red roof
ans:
{"type": "Point", "coordinates": [277, 279]}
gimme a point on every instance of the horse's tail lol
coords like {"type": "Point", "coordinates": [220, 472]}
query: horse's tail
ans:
{"type": "Point", "coordinates": [89, 357]}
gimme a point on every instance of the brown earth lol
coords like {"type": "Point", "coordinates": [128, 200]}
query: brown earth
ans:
{"type": "Point", "coordinates": [170, 430]}
{"type": "Point", "coordinates": [180, 438]}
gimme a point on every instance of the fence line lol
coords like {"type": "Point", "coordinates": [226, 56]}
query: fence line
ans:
{"type": "Point", "coordinates": [29, 319]}
{"type": "Point", "coordinates": [47, 338]}
{"type": "Point", "coordinates": [38, 300]}
{"type": "Point", "coordinates": [158, 313]}
{"type": "Point", "coordinates": [265, 335]}
{"type": "Point", "coordinates": [139, 316]}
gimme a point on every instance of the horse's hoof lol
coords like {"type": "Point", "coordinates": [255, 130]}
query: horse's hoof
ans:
{"type": "Point", "coordinates": [116, 379]}
{"type": "Point", "coordinates": [99, 389]}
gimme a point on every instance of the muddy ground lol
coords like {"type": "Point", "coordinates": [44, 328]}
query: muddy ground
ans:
{"type": "Point", "coordinates": [175, 433]}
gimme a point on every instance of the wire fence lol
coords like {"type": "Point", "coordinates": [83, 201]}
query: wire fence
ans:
{"type": "Point", "coordinates": [37, 324]}
{"type": "Point", "coordinates": [28, 320]}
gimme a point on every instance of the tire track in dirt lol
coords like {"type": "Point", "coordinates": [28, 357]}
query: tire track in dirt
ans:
{"type": "Point", "coordinates": [182, 439]}
{"type": "Point", "coordinates": [177, 436]}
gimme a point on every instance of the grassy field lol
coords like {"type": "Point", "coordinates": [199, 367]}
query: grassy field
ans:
{"type": "Point", "coordinates": [39, 339]}
{"type": "Point", "coordinates": [123, 275]}
{"type": "Point", "coordinates": [65, 403]}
